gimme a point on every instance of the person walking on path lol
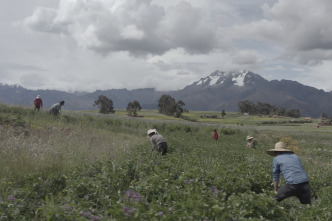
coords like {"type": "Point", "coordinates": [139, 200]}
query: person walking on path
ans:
{"type": "Point", "coordinates": [38, 103]}
{"type": "Point", "coordinates": [158, 142]}
{"type": "Point", "coordinates": [215, 134]}
{"type": "Point", "coordinates": [56, 108]}
{"type": "Point", "coordinates": [297, 181]}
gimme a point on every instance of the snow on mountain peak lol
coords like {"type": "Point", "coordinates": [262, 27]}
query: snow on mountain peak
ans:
{"type": "Point", "coordinates": [219, 77]}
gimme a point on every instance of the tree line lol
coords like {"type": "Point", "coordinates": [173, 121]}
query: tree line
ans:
{"type": "Point", "coordinates": [252, 108]}
{"type": "Point", "coordinates": [166, 105]}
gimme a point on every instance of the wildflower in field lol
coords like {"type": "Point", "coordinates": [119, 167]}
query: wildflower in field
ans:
{"type": "Point", "coordinates": [191, 181]}
{"type": "Point", "coordinates": [128, 211]}
{"type": "Point", "coordinates": [214, 190]}
{"type": "Point", "coordinates": [1, 200]}
{"type": "Point", "coordinates": [161, 213]}
{"type": "Point", "coordinates": [67, 207]}
{"type": "Point", "coordinates": [95, 218]}
{"type": "Point", "coordinates": [11, 198]}
{"type": "Point", "coordinates": [131, 195]}
{"type": "Point", "coordinates": [86, 214]}
{"type": "Point", "coordinates": [111, 158]}
{"type": "Point", "coordinates": [170, 210]}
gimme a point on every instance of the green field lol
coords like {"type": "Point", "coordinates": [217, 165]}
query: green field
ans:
{"type": "Point", "coordinates": [89, 166]}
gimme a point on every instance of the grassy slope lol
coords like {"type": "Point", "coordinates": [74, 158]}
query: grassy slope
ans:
{"type": "Point", "coordinates": [50, 165]}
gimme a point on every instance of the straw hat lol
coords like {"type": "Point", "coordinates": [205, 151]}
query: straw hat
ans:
{"type": "Point", "coordinates": [38, 96]}
{"type": "Point", "coordinates": [152, 131]}
{"type": "Point", "coordinates": [250, 137]}
{"type": "Point", "coordinates": [278, 147]}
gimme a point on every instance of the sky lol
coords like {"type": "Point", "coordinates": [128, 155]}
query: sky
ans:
{"type": "Point", "coordinates": [88, 45]}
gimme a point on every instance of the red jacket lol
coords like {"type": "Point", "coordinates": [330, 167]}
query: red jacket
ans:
{"type": "Point", "coordinates": [215, 135]}
{"type": "Point", "coordinates": [38, 102]}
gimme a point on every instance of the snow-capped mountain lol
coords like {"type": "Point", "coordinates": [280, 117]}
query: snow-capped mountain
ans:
{"type": "Point", "coordinates": [238, 78]}
{"type": "Point", "coordinates": [220, 77]}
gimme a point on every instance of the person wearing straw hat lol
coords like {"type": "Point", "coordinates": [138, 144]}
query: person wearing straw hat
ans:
{"type": "Point", "coordinates": [251, 142]}
{"type": "Point", "coordinates": [297, 181]}
{"type": "Point", "coordinates": [158, 142]}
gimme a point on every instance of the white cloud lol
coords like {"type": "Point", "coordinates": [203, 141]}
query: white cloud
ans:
{"type": "Point", "coordinates": [302, 28]}
{"type": "Point", "coordinates": [98, 44]}
{"type": "Point", "coordinates": [137, 27]}
{"type": "Point", "coordinates": [131, 32]}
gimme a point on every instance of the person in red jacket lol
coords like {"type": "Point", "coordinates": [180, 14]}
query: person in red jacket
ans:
{"type": "Point", "coordinates": [215, 134]}
{"type": "Point", "coordinates": [38, 102]}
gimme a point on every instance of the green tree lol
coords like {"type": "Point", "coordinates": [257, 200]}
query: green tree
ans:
{"type": "Point", "coordinates": [168, 106]}
{"type": "Point", "coordinates": [246, 106]}
{"type": "Point", "coordinates": [179, 110]}
{"type": "Point", "coordinates": [133, 108]}
{"type": "Point", "coordinates": [223, 113]}
{"type": "Point", "coordinates": [293, 113]}
{"type": "Point", "coordinates": [105, 105]}
{"type": "Point", "coordinates": [281, 111]}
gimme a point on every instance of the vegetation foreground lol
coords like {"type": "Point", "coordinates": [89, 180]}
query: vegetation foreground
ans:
{"type": "Point", "coordinates": [85, 166]}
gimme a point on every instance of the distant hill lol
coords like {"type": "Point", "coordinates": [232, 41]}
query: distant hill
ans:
{"type": "Point", "coordinates": [224, 90]}
{"type": "Point", "coordinates": [220, 90]}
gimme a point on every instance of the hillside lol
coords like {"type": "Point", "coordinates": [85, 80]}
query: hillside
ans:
{"type": "Point", "coordinates": [220, 90]}
{"type": "Point", "coordinates": [223, 90]}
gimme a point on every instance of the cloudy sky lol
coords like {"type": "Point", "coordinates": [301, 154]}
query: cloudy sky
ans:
{"type": "Point", "coordinates": [88, 45]}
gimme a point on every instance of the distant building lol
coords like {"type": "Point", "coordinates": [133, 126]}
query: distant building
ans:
{"type": "Point", "coordinates": [308, 119]}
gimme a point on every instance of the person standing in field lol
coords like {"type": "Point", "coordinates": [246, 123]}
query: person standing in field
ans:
{"type": "Point", "coordinates": [158, 142]}
{"type": "Point", "coordinates": [56, 108]}
{"type": "Point", "coordinates": [38, 103]}
{"type": "Point", "coordinates": [251, 142]}
{"type": "Point", "coordinates": [215, 134]}
{"type": "Point", "coordinates": [297, 181]}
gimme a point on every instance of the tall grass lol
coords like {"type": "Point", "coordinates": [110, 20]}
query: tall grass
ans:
{"type": "Point", "coordinates": [42, 143]}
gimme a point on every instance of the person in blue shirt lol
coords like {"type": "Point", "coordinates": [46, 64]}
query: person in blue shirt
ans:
{"type": "Point", "coordinates": [297, 181]}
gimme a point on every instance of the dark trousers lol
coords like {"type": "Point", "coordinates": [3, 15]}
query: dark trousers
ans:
{"type": "Point", "coordinates": [301, 191]}
{"type": "Point", "coordinates": [162, 147]}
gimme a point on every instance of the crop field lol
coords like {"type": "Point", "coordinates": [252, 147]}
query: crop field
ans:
{"type": "Point", "coordinates": [89, 166]}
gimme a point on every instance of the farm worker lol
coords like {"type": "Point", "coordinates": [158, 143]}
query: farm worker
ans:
{"type": "Point", "coordinates": [38, 102]}
{"type": "Point", "coordinates": [56, 108]}
{"type": "Point", "coordinates": [158, 141]}
{"type": "Point", "coordinates": [297, 181]}
{"type": "Point", "coordinates": [215, 134]}
{"type": "Point", "coordinates": [251, 142]}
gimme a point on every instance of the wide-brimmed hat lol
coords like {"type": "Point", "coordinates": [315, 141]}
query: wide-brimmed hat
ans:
{"type": "Point", "coordinates": [250, 137]}
{"type": "Point", "coordinates": [278, 147]}
{"type": "Point", "coordinates": [152, 131]}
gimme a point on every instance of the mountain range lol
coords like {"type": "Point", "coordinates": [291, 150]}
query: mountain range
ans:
{"type": "Point", "coordinates": [218, 91]}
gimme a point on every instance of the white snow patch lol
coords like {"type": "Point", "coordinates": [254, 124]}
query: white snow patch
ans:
{"type": "Point", "coordinates": [214, 80]}
{"type": "Point", "coordinates": [239, 80]}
